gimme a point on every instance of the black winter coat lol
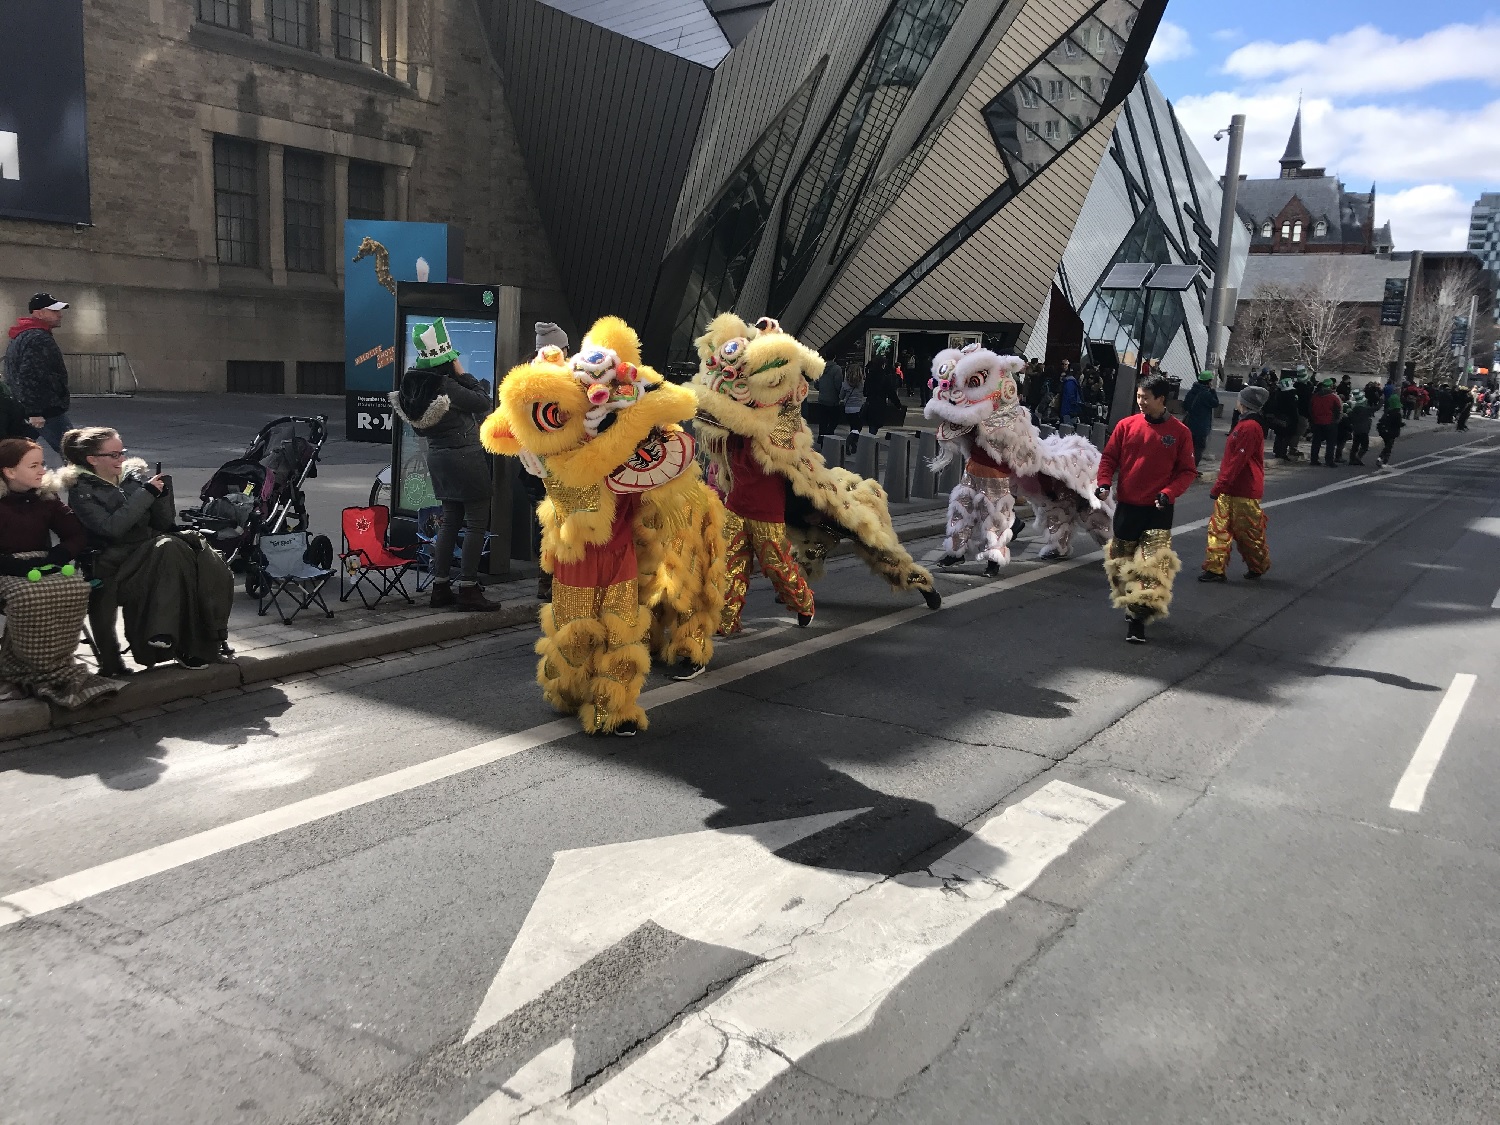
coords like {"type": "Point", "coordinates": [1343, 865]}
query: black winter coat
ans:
{"type": "Point", "coordinates": [36, 374]}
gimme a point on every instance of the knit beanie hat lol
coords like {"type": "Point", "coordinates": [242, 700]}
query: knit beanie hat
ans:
{"type": "Point", "coordinates": [1253, 399]}
{"type": "Point", "coordinates": [1205, 376]}
{"type": "Point", "coordinates": [550, 335]}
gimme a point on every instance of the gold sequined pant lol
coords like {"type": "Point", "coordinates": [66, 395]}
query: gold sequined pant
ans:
{"type": "Point", "coordinates": [1237, 521]}
{"type": "Point", "coordinates": [766, 544]}
{"type": "Point", "coordinates": [594, 656]}
{"type": "Point", "coordinates": [1141, 573]}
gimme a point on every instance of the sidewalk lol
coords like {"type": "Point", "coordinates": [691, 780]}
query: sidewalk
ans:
{"type": "Point", "coordinates": [267, 650]}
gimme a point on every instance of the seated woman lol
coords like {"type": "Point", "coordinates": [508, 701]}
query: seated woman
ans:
{"type": "Point", "coordinates": [43, 618]}
{"type": "Point", "coordinates": [174, 588]}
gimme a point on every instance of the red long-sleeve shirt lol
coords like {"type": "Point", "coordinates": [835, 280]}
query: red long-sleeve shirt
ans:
{"type": "Point", "coordinates": [1325, 409]}
{"type": "Point", "coordinates": [1243, 470]}
{"type": "Point", "coordinates": [1150, 457]}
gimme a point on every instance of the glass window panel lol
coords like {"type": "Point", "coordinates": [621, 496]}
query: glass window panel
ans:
{"type": "Point", "coordinates": [356, 30]}
{"type": "Point", "coordinates": [303, 184]}
{"type": "Point", "coordinates": [229, 14]}
{"type": "Point", "coordinates": [366, 190]}
{"type": "Point", "coordinates": [291, 22]}
{"type": "Point", "coordinates": [836, 172]}
{"type": "Point", "coordinates": [236, 202]}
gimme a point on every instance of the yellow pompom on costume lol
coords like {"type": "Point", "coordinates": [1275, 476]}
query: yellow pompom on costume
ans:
{"type": "Point", "coordinates": [787, 507]}
{"type": "Point", "coordinates": [630, 533]}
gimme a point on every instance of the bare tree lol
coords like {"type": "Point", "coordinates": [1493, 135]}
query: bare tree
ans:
{"type": "Point", "coordinates": [1381, 348]}
{"type": "Point", "coordinates": [1262, 329]}
{"type": "Point", "coordinates": [1323, 317]}
{"type": "Point", "coordinates": [1434, 314]}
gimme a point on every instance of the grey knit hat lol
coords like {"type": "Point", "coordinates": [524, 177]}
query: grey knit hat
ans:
{"type": "Point", "coordinates": [1253, 399]}
{"type": "Point", "coordinates": [550, 335]}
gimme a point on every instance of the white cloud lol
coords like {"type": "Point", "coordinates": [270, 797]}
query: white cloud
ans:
{"type": "Point", "coordinates": [1368, 61]}
{"type": "Point", "coordinates": [1172, 43]}
{"type": "Point", "coordinates": [1228, 34]}
{"type": "Point", "coordinates": [1427, 217]}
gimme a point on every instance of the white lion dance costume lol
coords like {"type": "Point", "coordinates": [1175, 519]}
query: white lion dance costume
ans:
{"type": "Point", "coordinates": [980, 418]}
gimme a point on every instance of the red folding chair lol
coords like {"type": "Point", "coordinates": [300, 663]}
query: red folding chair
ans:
{"type": "Point", "coordinates": [366, 560]}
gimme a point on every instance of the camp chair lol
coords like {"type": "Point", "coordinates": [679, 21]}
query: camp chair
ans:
{"type": "Point", "coordinates": [285, 569]}
{"type": "Point", "coordinates": [368, 561]}
{"type": "Point", "coordinates": [429, 523]}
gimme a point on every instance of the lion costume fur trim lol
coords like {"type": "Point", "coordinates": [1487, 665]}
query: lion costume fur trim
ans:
{"type": "Point", "coordinates": [777, 370]}
{"type": "Point", "coordinates": [1141, 582]}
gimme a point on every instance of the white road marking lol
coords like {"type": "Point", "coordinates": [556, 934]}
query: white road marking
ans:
{"type": "Point", "coordinates": [1412, 787]}
{"type": "Point", "coordinates": [830, 981]}
{"type": "Point", "coordinates": [548, 1076]}
{"type": "Point", "coordinates": [1496, 603]}
{"type": "Point", "coordinates": [720, 887]}
{"type": "Point", "coordinates": [70, 889]}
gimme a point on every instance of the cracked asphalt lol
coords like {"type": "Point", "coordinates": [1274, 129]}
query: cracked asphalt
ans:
{"type": "Point", "coordinates": [1253, 935]}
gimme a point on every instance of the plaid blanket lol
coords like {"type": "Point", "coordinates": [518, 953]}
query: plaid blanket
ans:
{"type": "Point", "coordinates": [42, 624]}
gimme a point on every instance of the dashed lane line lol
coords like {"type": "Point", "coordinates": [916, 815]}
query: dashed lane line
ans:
{"type": "Point", "coordinates": [1412, 788]}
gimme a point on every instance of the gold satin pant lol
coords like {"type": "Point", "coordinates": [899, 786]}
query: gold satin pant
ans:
{"type": "Point", "coordinates": [767, 545]}
{"type": "Point", "coordinates": [1237, 521]}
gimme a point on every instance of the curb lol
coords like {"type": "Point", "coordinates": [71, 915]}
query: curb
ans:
{"type": "Point", "coordinates": [22, 717]}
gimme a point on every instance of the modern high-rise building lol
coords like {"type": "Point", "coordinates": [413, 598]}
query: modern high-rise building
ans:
{"type": "Point", "coordinates": [1484, 235]}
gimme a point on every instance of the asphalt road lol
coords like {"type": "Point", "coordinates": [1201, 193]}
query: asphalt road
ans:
{"type": "Point", "coordinates": [985, 865]}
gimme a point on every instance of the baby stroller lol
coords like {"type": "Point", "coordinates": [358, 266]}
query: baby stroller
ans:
{"type": "Point", "coordinates": [261, 493]}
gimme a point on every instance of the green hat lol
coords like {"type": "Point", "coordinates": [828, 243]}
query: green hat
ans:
{"type": "Point", "coordinates": [432, 345]}
{"type": "Point", "coordinates": [1205, 376]}
{"type": "Point", "coordinates": [1326, 383]}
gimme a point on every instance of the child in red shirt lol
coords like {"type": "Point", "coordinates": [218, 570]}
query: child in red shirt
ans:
{"type": "Point", "coordinates": [1237, 519]}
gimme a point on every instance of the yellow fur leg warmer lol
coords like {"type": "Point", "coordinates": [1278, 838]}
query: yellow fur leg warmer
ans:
{"type": "Point", "coordinates": [1141, 581]}
{"type": "Point", "coordinates": [567, 657]}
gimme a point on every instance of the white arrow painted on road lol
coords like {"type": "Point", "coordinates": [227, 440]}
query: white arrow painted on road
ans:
{"type": "Point", "coordinates": [825, 980]}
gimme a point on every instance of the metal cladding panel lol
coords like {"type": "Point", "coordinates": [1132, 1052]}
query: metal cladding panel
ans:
{"type": "Point", "coordinates": [685, 28]}
{"type": "Point", "coordinates": [607, 146]}
{"type": "Point", "coordinates": [753, 84]}
{"type": "Point", "coordinates": [960, 172]}
{"type": "Point", "coordinates": [1005, 270]}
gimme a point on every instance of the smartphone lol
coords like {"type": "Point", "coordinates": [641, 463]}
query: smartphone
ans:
{"type": "Point", "coordinates": [158, 468]}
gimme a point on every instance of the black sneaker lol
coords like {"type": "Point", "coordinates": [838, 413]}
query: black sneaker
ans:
{"type": "Point", "coordinates": [804, 620]}
{"type": "Point", "coordinates": [933, 599]}
{"type": "Point", "coordinates": [626, 730]}
{"type": "Point", "coordinates": [992, 569]}
{"type": "Point", "coordinates": [1254, 575]}
{"type": "Point", "coordinates": [950, 560]}
{"type": "Point", "coordinates": [1212, 576]}
{"type": "Point", "coordinates": [688, 671]}
{"type": "Point", "coordinates": [1135, 630]}
{"type": "Point", "coordinates": [1016, 529]}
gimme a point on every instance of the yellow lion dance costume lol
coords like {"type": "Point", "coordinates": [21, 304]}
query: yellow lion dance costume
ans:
{"type": "Point", "coordinates": [786, 506]}
{"type": "Point", "coordinates": [630, 533]}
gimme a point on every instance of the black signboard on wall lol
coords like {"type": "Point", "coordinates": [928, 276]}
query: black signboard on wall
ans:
{"type": "Point", "coordinates": [1393, 305]}
{"type": "Point", "coordinates": [44, 152]}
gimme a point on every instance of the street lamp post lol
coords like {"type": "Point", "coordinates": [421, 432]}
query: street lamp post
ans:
{"type": "Point", "coordinates": [1227, 219]}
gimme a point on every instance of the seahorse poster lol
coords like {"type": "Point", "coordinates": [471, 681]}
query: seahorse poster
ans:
{"type": "Point", "coordinates": [377, 255]}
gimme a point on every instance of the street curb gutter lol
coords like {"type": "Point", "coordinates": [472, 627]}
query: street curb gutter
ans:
{"type": "Point", "coordinates": [22, 717]}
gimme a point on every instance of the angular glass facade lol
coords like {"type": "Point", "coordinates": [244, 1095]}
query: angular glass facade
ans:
{"type": "Point", "coordinates": [1116, 315]}
{"type": "Point", "coordinates": [1063, 95]}
{"type": "Point", "coordinates": [708, 269]}
{"type": "Point", "coordinates": [837, 170]}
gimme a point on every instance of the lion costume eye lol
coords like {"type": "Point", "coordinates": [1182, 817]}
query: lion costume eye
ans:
{"type": "Point", "coordinates": [548, 417]}
{"type": "Point", "coordinates": [974, 381]}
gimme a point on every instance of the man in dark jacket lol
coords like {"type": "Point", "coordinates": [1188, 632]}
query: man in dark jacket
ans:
{"type": "Point", "coordinates": [445, 405]}
{"type": "Point", "coordinates": [1283, 414]}
{"type": "Point", "coordinates": [35, 370]}
{"type": "Point", "coordinates": [830, 398]}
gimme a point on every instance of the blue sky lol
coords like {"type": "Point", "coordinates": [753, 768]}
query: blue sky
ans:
{"type": "Point", "coordinates": [1402, 95]}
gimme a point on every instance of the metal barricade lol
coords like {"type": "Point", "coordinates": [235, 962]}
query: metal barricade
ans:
{"type": "Point", "coordinates": [100, 374]}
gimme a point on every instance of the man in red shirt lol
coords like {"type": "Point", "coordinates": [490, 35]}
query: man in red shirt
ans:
{"type": "Point", "coordinates": [1238, 518]}
{"type": "Point", "coordinates": [1326, 410]}
{"type": "Point", "coordinates": [1152, 453]}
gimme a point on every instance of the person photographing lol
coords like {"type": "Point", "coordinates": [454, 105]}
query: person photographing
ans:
{"type": "Point", "coordinates": [1149, 460]}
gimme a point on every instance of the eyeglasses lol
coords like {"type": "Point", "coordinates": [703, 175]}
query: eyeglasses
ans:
{"type": "Point", "coordinates": [113, 456]}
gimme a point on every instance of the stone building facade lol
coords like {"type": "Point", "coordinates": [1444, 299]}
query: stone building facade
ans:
{"type": "Point", "coordinates": [229, 140]}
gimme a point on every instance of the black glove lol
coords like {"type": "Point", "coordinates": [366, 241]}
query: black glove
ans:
{"type": "Point", "coordinates": [151, 488]}
{"type": "Point", "coordinates": [1163, 500]}
{"type": "Point", "coordinates": [59, 555]}
{"type": "Point", "coordinates": [1102, 492]}
{"type": "Point", "coordinates": [14, 567]}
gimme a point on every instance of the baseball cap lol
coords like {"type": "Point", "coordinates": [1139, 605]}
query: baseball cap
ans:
{"type": "Point", "coordinates": [46, 301]}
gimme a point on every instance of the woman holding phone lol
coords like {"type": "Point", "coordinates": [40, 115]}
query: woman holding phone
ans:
{"type": "Point", "coordinates": [174, 588]}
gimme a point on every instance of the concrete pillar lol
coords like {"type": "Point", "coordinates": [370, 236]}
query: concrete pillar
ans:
{"type": "Point", "coordinates": [340, 169]}
{"type": "Point", "coordinates": [950, 476]}
{"type": "Point", "coordinates": [898, 468]}
{"type": "Point", "coordinates": [1099, 434]}
{"type": "Point", "coordinates": [924, 480]}
{"type": "Point", "coordinates": [276, 212]}
{"type": "Point", "coordinates": [832, 448]}
{"type": "Point", "coordinates": [867, 457]}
